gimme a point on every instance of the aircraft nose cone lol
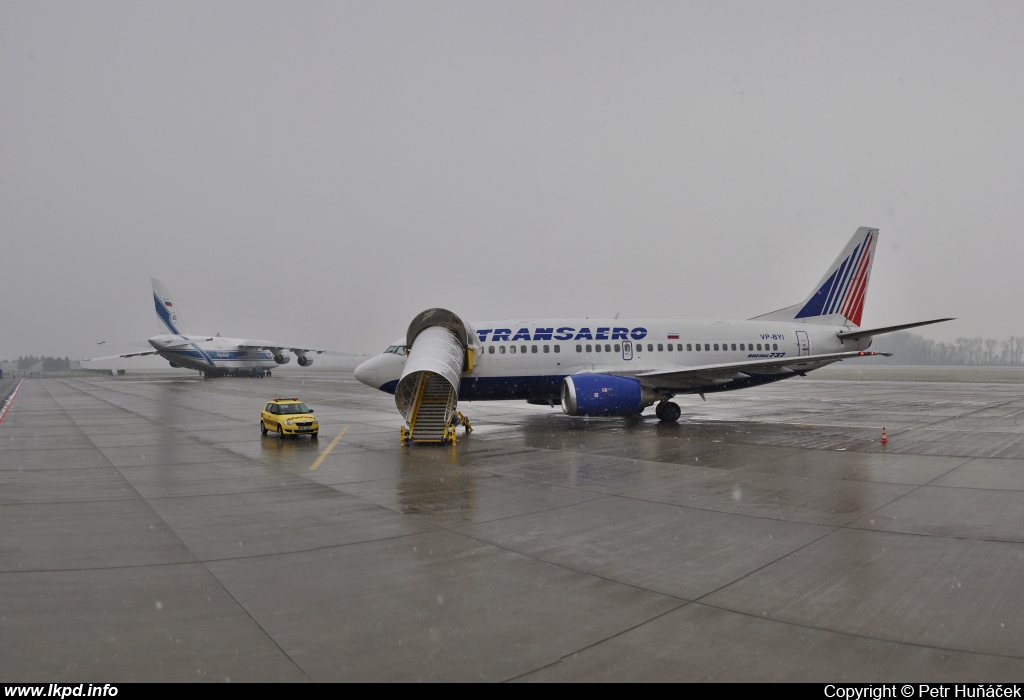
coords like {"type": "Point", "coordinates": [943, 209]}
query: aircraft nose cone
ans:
{"type": "Point", "coordinates": [367, 372]}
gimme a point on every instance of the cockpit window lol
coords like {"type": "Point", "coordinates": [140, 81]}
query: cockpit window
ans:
{"type": "Point", "coordinates": [395, 349]}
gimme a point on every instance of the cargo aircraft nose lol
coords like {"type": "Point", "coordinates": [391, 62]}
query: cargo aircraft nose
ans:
{"type": "Point", "coordinates": [368, 372]}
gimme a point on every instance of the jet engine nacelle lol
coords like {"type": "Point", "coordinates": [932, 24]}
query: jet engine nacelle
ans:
{"type": "Point", "coordinates": [173, 365]}
{"type": "Point", "coordinates": [305, 361]}
{"type": "Point", "coordinates": [605, 395]}
{"type": "Point", "coordinates": [282, 359]}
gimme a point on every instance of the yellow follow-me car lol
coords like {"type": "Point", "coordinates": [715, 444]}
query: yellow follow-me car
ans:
{"type": "Point", "coordinates": [289, 417]}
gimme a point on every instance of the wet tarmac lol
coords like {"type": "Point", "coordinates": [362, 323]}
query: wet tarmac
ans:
{"type": "Point", "coordinates": [148, 532]}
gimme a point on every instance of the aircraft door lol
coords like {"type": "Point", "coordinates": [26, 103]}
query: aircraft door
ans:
{"type": "Point", "coordinates": [627, 349]}
{"type": "Point", "coordinates": [803, 344]}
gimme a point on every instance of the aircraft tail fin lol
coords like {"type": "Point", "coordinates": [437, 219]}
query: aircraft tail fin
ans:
{"type": "Point", "coordinates": [166, 311]}
{"type": "Point", "coordinates": [838, 299]}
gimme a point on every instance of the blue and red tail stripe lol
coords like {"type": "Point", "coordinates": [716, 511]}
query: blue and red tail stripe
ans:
{"type": "Point", "coordinates": [843, 292]}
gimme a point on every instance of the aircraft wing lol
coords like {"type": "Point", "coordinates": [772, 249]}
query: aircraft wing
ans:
{"type": "Point", "coordinates": [116, 357]}
{"type": "Point", "coordinates": [297, 349]}
{"type": "Point", "coordinates": [178, 346]}
{"type": "Point", "coordinates": [702, 375]}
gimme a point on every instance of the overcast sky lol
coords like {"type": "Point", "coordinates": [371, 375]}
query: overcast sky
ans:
{"type": "Point", "coordinates": [320, 172]}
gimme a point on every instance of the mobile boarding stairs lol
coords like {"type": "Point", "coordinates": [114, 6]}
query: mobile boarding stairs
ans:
{"type": "Point", "coordinates": [441, 348]}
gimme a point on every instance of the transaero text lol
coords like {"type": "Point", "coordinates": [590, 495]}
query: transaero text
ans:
{"type": "Point", "coordinates": [562, 333]}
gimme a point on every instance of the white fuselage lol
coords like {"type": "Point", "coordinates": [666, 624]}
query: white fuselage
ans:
{"type": "Point", "coordinates": [212, 356]}
{"type": "Point", "coordinates": [529, 359]}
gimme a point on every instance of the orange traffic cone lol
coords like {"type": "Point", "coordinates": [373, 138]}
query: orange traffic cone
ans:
{"type": "Point", "coordinates": [884, 438]}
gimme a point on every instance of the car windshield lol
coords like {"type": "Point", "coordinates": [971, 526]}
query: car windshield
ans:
{"type": "Point", "coordinates": [286, 408]}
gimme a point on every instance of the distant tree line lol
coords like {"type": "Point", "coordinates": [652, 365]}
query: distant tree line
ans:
{"type": "Point", "coordinates": [50, 364]}
{"type": "Point", "coordinates": [913, 349]}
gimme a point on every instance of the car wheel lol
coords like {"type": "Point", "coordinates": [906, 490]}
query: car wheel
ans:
{"type": "Point", "coordinates": [280, 432]}
{"type": "Point", "coordinates": [263, 428]}
{"type": "Point", "coordinates": [314, 436]}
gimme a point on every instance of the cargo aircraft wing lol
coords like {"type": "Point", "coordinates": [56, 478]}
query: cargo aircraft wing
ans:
{"type": "Point", "coordinates": [178, 346]}
{"type": "Point", "coordinates": [296, 349]}
{"type": "Point", "coordinates": [116, 357]}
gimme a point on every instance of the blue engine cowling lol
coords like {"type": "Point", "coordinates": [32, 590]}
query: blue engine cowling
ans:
{"type": "Point", "coordinates": [604, 395]}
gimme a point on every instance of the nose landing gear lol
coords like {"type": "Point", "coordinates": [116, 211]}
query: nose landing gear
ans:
{"type": "Point", "coordinates": [668, 412]}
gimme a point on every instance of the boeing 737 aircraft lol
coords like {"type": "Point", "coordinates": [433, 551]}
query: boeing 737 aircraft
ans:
{"type": "Point", "coordinates": [215, 356]}
{"type": "Point", "coordinates": [615, 367]}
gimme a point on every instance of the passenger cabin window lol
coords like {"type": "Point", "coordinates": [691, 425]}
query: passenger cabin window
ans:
{"type": "Point", "coordinates": [650, 347]}
{"type": "Point", "coordinates": [670, 347]}
{"type": "Point", "coordinates": [698, 347]}
{"type": "Point", "coordinates": [734, 346]}
{"type": "Point", "coordinates": [547, 348]}
{"type": "Point", "coordinates": [618, 348]}
{"type": "Point", "coordinates": [608, 347]}
{"type": "Point", "coordinates": [597, 348]}
{"type": "Point", "coordinates": [579, 348]}
{"type": "Point", "coordinates": [558, 348]}
{"type": "Point", "coordinates": [533, 349]}
{"type": "Point", "coordinates": [512, 349]}
{"type": "Point", "coordinates": [661, 348]}
{"type": "Point", "coordinates": [689, 348]}
{"type": "Point", "coordinates": [707, 348]}
{"type": "Point", "coordinates": [490, 349]}
{"type": "Point", "coordinates": [501, 349]}
{"type": "Point", "coordinates": [523, 350]}
{"type": "Point", "coordinates": [759, 347]}
{"type": "Point", "coordinates": [743, 347]}
{"type": "Point", "coordinates": [589, 349]}
{"type": "Point", "coordinates": [716, 347]}
{"type": "Point", "coordinates": [775, 346]}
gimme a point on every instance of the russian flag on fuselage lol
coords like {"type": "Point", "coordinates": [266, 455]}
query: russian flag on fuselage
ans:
{"type": "Point", "coordinates": [844, 290]}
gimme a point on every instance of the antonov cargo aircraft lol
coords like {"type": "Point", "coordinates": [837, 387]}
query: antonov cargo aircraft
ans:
{"type": "Point", "coordinates": [215, 356]}
{"type": "Point", "coordinates": [615, 367]}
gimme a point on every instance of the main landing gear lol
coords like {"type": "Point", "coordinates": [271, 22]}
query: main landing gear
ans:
{"type": "Point", "coordinates": [668, 412]}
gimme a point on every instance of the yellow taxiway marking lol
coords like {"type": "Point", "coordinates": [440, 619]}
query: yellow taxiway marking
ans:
{"type": "Point", "coordinates": [329, 448]}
